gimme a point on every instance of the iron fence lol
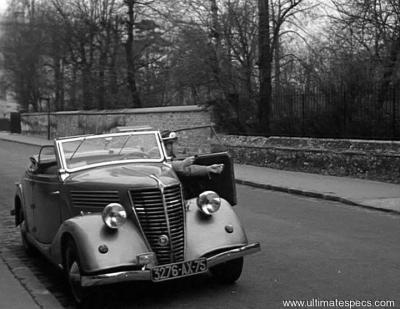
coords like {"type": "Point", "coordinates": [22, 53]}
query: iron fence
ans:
{"type": "Point", "coordinates": [369, 114]}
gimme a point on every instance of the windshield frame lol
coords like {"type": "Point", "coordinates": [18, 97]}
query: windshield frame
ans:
{"type": "Point", "coordinates": [63, 161]}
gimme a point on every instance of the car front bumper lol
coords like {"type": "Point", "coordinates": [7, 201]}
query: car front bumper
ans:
{"type": "Point", "coordinates": [145, 275]}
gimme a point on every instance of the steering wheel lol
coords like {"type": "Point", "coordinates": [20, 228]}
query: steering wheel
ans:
{"type": "Point", "coordinates": [135, 154]}
{"type": "Point", "coordinates": [153, 152]}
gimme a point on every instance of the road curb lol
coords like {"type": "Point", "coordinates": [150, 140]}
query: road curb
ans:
{"type": "Point", "coordinates": [313, 194]}
{"type": "Point", "coordinates": [2, 138]}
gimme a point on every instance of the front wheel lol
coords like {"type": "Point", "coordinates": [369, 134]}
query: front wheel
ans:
{"type": "Point", "coordinates": [228, 272]}
{"type": "Point", "coordinates": [72, 267]}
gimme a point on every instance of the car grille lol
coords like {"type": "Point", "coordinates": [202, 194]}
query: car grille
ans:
{"type": "Point", "coordinates": [157, 219]}
{"type": "Point", "coordinates": [94, 200]}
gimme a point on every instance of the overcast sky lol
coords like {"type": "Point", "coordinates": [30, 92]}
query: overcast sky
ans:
{"type": "Point", "coordinates": [3, 5]}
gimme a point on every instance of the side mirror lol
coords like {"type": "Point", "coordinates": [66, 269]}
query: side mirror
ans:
{"type": "Point", "coordinates": [33, 160]}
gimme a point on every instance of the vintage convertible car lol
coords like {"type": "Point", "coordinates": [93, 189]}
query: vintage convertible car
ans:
{"type": "Point", "coordinates": [112, 208]}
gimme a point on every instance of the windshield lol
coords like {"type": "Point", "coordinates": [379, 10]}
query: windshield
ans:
{"type": "Point", "coordinates": [103, 149]}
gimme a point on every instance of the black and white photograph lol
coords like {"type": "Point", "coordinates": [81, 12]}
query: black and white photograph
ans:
{"type": "Point", "coordinates": [191, 154]}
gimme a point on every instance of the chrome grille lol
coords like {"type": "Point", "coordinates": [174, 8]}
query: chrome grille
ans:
{"type": "Point", "coordinates": [93, 199]}
{"type": "Point", "coordinates": [156, 220]}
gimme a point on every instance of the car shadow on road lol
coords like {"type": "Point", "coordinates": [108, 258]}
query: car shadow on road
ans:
{"type": "Point", "coordinates": [169, 294]}
{"type": "Point", "coordinates": [184, 292]}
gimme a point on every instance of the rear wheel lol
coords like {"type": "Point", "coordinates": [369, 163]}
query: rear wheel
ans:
{"type": "Point", "coordinates": [228, 272]}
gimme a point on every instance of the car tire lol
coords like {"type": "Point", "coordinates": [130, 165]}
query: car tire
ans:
{"type": "Point", "coordinates": [73, 273]}
{"type": "Point", "coordinates": [228, 272]}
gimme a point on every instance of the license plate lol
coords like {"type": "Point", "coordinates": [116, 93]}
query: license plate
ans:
{"type": "Point", "coordinates": [178, 270]}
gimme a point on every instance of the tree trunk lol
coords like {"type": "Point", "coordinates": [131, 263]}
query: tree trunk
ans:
{"type": "Point", "coordinates": [113, 66]}
{"type": "Point", "coordinates": [72, 90]}
{"type": "Point", "coordinates": [216, 40]}
{"type": "Point", "coordinates": [277, 69]}
{"type": "Point", "coordinates": [86, 88]}
{"type": "Point", "coordinates": [101, 83]}
{"type": "Point", "coordinates": [59, 84]}
{"type": "Point", "coordinates": [227, 92]}
{"type": "Point", "coordinates": [265, 65]}
{"type": "Point", "coordinates": [131, 74]}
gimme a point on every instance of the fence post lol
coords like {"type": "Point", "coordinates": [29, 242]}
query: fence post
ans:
{"type": "Point", "coordinates": [394, 135]}
{"type": "Point", "coordinates": [303, 129]}
{"type": "Point", "coordinates": [344, 133]}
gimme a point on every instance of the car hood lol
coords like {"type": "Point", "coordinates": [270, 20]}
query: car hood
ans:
{"type": "Point", "coordinates": [127, 175]}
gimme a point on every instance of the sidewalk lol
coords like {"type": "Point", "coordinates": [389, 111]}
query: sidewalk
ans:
{"type": "Point", "coordinates": [352, 191]}
{"type": "Point", "coordinates": [24, 139]}
{"type": "Point", "coordinates": [12, 294]}
{"type": "Point", "coordinates": [20, 288]}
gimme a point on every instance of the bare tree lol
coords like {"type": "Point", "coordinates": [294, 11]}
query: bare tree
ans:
{"type": "Point", "coordinates": [272, 17]}
{"type": "Point", "coordinates": [23, 44]}
{"type": "Point", "coordinates": [375, 26]}
{"type": "Point", "coordinates": [130, 58]}
{"type": "Point", "coordinates": [126, 53]}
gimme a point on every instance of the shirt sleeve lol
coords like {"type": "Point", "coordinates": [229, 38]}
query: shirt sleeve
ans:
{"type": "Point", "coordinates": [191, 170]}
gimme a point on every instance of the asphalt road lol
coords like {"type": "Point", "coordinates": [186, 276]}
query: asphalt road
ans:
{"type": "Point", "coordinates": [311, 249]}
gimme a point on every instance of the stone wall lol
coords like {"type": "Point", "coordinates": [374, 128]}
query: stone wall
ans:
{"type": "Point", "coordinates": [377, 160]}
{"type": "Point", "coordinates": [160, 118]}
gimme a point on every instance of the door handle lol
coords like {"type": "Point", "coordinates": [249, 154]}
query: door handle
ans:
{"type": "Point", "coordinates": [55, 193]}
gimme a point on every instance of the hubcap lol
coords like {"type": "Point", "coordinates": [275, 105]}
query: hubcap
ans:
{"type": "Point", "coordinates": [75, 280]}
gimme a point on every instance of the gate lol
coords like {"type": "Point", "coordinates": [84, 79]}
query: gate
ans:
{"type": "Point", "coordinates": [15, 122]}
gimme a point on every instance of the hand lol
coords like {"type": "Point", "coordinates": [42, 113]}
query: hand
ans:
{"type": "Point", "coordinates": [215, 168]}
{"type": "Point", "coordinates": [187, 162]}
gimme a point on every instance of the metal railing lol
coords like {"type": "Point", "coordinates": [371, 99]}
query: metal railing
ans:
{"type": "Point", "coordinates": [368, 114]}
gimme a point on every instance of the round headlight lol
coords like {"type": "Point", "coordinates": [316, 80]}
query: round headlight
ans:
{"type": "Point", "coordinates": [114, 215]}
{"type": "Point", "coordinates": [209, 202]}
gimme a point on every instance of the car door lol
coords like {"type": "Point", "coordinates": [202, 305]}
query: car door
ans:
{"type": "Point", "coordinates": [223, 184]}
{"type": "Point", "coordinates": [27, 193]}
{"type": "Point", "coordinates": [46, 196]}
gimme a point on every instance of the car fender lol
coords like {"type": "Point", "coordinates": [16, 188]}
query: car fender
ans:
{"type": "Point", "coordinates": [208, 234]}
{"type": "Point", "coordinates": [18, 204]}
{"type": "Point", "coordinates": [89, 233]}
